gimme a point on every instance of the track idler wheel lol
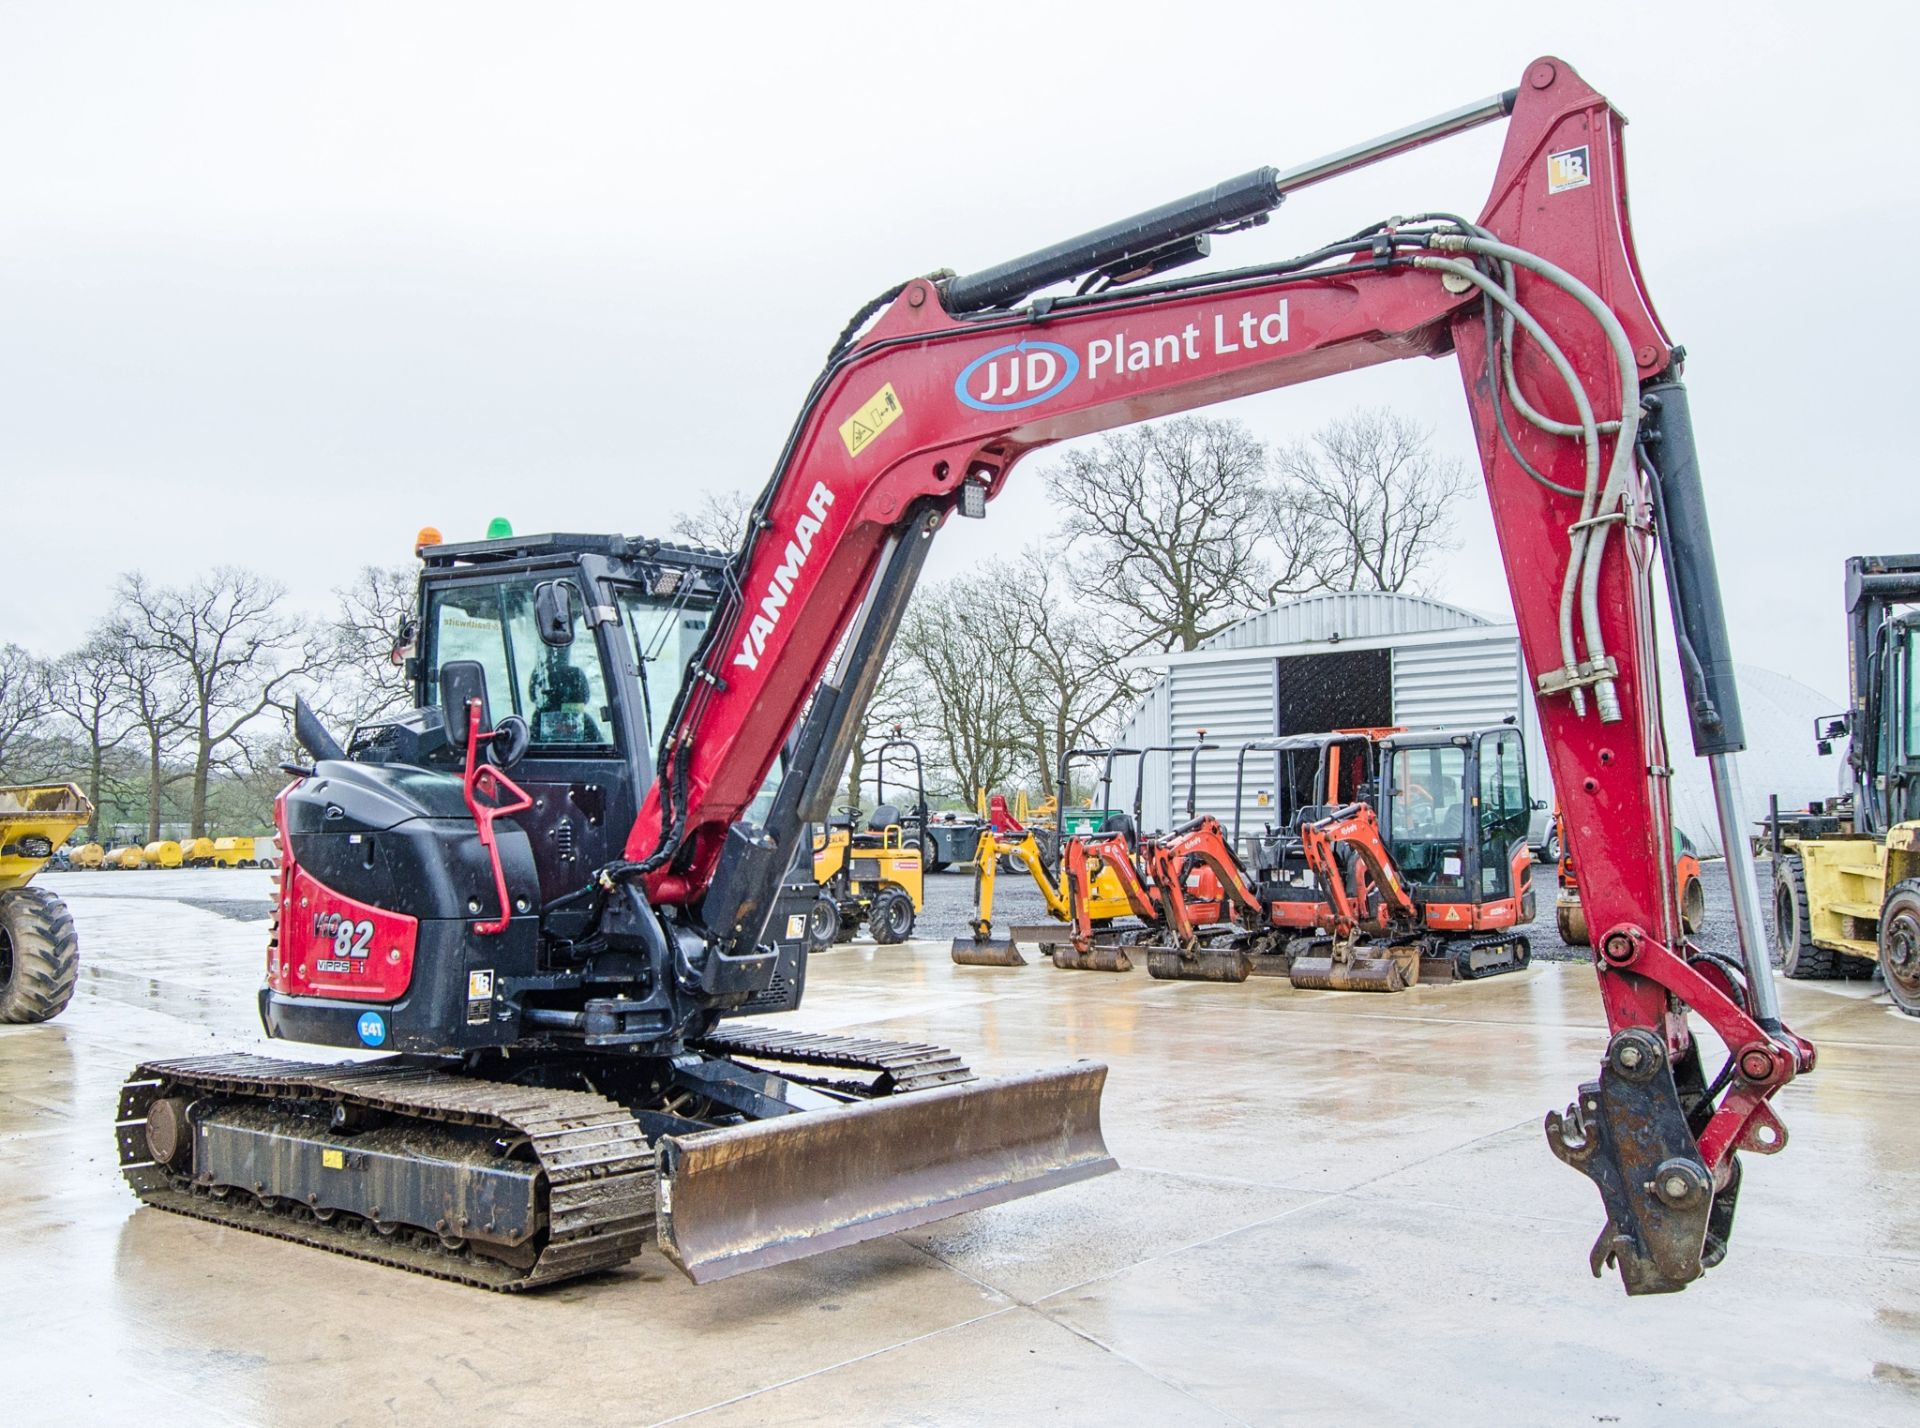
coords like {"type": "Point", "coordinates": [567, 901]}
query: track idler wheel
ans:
{"type": "Point", "coordinates": [170, 1132]}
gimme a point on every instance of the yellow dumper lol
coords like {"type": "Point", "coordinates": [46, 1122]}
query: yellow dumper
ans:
{"type": "Point", "coordinates": [163, 854]}
{"type": "Point", "coordinates": [39, 952]}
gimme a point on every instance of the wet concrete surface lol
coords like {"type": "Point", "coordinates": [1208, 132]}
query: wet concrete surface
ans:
{"type": "Point", "coordinates": [1335, 1208]}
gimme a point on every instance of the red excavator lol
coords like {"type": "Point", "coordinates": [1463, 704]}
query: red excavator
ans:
{"type": "Point", "coordinates": [555, 891]}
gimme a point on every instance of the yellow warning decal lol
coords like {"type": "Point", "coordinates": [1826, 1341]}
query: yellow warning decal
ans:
{"type": "Point", "coordinates": [334, 1159]}
{"type": "Point", "coordinates": [878, 413]}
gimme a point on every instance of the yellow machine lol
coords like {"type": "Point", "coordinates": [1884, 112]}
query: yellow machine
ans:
{"type": "Point", "coordinates": [233, 853]}
{"type": "Point", "coordinates": [1846, 872]}
{"type": "Point", "coordinates": [39, 950]}
{"type": "Point", "coordinates": [1106, 899]}
{"type": "Point", "coordinates": [88, 857]}
{"type": "Point", "coordinates": [131, 856]}
{"type": "Point", "coordinates": [164, 853]}
{"type": "Point", "coordinates": [873, 876]}
{"type": "Point", "coordinates": [197, 852]}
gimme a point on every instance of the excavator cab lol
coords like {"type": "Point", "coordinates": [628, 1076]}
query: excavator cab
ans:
{"type": "Point", "coordinates": [1455, 810]}
{"type": "Point", "coordinates": [1311, 774]}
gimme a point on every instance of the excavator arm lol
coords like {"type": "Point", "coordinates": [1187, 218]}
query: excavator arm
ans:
{"type": "Point", "coordinates": [939, 388]}
{"type": "Point", "coordinates": [1355, 827]}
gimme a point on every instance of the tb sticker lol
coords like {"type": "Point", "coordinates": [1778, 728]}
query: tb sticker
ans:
{"type": "Point", "coordinates": [1568, 169]}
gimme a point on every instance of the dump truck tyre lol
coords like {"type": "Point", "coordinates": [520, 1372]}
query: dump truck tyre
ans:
{"type": "Point", "coordinates": [39, 956]}
{"type": "Point", "coordinates": [1793, 925]}
{"type": "Point", "coordinates": [823, 924]}
{"type": "Point", "coordinates": [891, 917]}
{"type": "Point", "coordinates": [1900, 945]}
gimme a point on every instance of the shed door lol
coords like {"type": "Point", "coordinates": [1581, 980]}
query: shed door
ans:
{"type": "Point", "coordinates": [1345, 689]}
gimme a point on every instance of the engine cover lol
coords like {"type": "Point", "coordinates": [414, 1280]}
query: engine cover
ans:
{"type": "Point", "coordinates": [384, 878]}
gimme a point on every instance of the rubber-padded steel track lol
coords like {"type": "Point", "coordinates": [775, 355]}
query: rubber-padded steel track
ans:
{"type": "Point", "coordinates": [902, 1066]}
{"type": "Point", "coordinates": [599, 1169]}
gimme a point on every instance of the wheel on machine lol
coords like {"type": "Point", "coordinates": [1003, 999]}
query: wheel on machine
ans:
{"type": "Point", "coordinates": [1011, 864]}
{"type": "Point", "coordinates": [1900, 945]}
{"type": "Point", "coordinates": [823, 924]}
{"type": "Point", "coordinates": [891, 917]}
{"type": "Point", "coordinates": [39, 955]}
{"type": "Point", "coordinates": [1793, 924]}
{"type": "Point", "coordinates": [930, 855]}
{"type": "Point", "coordinates": [1572, 920]}
{"type": "Point", "coordinates": [1693, 907]}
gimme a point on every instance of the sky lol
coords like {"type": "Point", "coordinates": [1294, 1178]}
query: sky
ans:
{"type": "Point", "coordinates": [281, 284]}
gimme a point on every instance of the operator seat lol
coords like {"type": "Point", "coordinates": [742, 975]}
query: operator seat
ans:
{"type": "Point", "coordinates": [883, 817]}
{"type": "Point", "coordinates": [1123, 824]}
{"type": "Point", "coordinates": [560, 714]}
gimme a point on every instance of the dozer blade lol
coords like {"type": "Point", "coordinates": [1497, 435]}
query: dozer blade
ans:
{"type": "Point", "coordinates": [1351, 974]}
{"type": "Point", "coordinates": [1100, 957]}
{"type": "Point", "coordinates": [760, 1194]}
{"type": "Point", "coordinates": [987, 952]}
{"type": "Point", "coordinates": [1203, 964]}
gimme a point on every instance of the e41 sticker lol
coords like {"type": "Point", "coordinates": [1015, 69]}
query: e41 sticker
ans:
{"type": "Point", "coordinates": [876, 414]}
{"type": "Point", "coordinates": [1568, 169]}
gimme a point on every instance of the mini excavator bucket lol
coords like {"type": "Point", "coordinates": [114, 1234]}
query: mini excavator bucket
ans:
{"type": "Point", "coordinates": [1390, 969]}
{"type": "Point", "coordinates": [1202, 964]}
{"type": "Point", "coordinates": [1096, 957]}
{"type": "Point", "coordinates": [746, 1197]}
{"type": "Point", "coordinates": [986, 950]}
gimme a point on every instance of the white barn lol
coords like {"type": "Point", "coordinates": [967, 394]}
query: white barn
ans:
{"type": "Point", "coordinates": [1375, 658]}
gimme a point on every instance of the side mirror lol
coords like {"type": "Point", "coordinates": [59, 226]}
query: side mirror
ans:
{"type": "Point", "coordinates": [461, 682]}
{"type": "Point", "coordinates": [1539, 805]}
{"type": "Point", "coordinates": [403, 641]}
{"type": "Point", "coordinates": [553, 611]}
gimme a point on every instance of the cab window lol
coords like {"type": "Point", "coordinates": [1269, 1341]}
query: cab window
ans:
{"type": "Point", "coordinates": [1505, 812]}
{"type": "Point", "coordinates": [1427, 819]}
{"type": "Point", "coordinates": [664, 634]}
{"type": "Point", "coordinates": [560, 690]}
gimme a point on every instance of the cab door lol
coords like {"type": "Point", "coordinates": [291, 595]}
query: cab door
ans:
{"type": "Point", "coordinates": [1504, 812]}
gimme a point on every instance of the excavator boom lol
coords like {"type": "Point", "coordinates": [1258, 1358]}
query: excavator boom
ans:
{"type": "Point", "coordinates": [943, 384]}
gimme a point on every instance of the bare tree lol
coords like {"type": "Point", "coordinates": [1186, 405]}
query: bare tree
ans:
{"type": "Point", "coordinates": [23, 704]}
{"type": "Point", "coordinates": [231, 648]}
{"type": "Point", "coordinates": [155, 702]}
{"type": "Point", "coordinates": [893, 705]}
{"type": "Point", "coordinates": [718, 520]}
{"type": "Point", "coordinates": [1071, 688]}
{"type": "Point", "coordinates": [966, 680]}
{"type": "Point", "coordinates": [84, 688]}
{"type": "Point", "coordinates": [1173, 525]}
{"type": "Point", "coordinates": [1380, 497]}
{"type": "Point", "coordinates": [370, 621]}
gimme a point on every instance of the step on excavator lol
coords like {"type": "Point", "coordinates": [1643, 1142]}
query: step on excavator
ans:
{"type": "Point", "coordinates": [552, 894]}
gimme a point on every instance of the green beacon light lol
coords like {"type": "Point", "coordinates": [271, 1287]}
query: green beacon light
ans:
{"type": "Point", "coordinates": [499, 528]}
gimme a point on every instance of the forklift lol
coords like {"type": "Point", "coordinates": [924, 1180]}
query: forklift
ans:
{"type": "Point", "coordinates": [1846, 873]}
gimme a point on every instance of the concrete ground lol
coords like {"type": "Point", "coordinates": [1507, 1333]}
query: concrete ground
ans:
{"type": "Point", "coordinates": [1334, 1208]}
